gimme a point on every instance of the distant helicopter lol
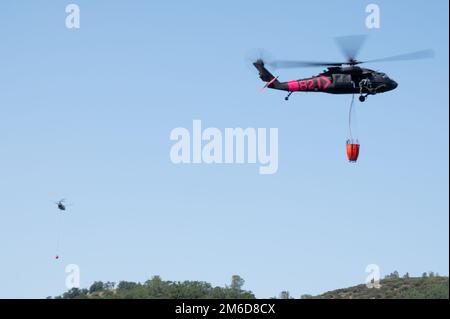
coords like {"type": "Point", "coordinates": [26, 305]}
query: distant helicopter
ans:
{"type": "Point", "coordinates": [60, 204]}
{"type": "Point", "coordinates": [340, 77]}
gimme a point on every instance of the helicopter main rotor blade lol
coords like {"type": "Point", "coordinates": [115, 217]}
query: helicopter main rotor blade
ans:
{"type": "Point", "coordinates": [423, 54]}
{"type": "Point", "coordinates": [351, 45]}
{"type": "Point", "coordinates": [286, 64]}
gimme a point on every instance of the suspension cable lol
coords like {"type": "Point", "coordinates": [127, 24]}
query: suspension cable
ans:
{"type": "Point", "coordinates": [350, 118]}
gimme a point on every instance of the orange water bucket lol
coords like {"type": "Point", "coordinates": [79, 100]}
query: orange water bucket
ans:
{"type": "Point", "coordinates": [352, 151]}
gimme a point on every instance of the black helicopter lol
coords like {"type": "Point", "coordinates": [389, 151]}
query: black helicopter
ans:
{"type": "Point", "coordinates": [60, 204]}
{"type": "Point", "coordinates": [340, 77]}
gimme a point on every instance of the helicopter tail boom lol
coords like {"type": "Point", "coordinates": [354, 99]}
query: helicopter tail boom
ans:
{"type": "Point", "coordinates": [265, 75]}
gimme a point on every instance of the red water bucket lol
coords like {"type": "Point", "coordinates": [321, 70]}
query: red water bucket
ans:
{"type": "Point", "coordinates": [352, 151]}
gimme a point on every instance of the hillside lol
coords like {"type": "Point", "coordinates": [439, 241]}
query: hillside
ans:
{"type": "Point", "coordinates": [395, 288]}
{"type": "Point", "coordinates": [392, 287]}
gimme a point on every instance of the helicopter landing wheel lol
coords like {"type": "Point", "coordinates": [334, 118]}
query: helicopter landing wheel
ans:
{"type": "Point", "coordinates": [362, 98]}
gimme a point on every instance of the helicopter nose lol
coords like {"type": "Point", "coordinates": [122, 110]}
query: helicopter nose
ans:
{"type": "Point", "coordinates": [394, 84]}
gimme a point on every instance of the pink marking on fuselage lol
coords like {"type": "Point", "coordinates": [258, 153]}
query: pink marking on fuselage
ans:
{"type": "Point", "coordinates": [293, 86]}
{"type": "Point", "coordinates": [327, 82]}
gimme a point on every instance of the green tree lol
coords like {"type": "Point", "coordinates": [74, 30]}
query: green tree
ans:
{"type": "Point", "coordinates": [127, 285]}
{"type": "Point", "coordinates": [237, 283]}
{"type": "Point", "coordinates": [109, 285]}
{"type": "Point", "coordinates": [96, 287]}
{"type": "Point", "coordinates": [285, 295]}
{"type": "Point", "coordinates": [75, 293]}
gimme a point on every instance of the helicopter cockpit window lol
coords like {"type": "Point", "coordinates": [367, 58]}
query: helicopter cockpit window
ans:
{"type": "Point", "coordinates": [343, 81]}
{"type": "Point", "coordinates": [342, 78]}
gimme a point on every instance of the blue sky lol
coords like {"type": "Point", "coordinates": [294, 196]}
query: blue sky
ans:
{"type": "Point", "coordinates": [86, 115]}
